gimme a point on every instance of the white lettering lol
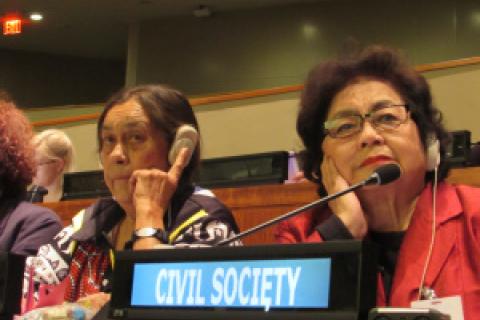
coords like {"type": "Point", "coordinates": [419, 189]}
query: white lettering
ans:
{"type": "Point", "coordinates": [230, 286]}
{"type": "Point", "coordinates": [158, 287]}
{"type": "Point", "coordinates": [265, 300]}
{"type": "Point", "coordinates": [243, 298]}
{"type": "Point", "coordinates": [191, 285]}
{"type": "Point", "coordinates": [181, 284]}
{"type": "Point", "coordinates": [217, 286]}
{"type": "Point", "coordinates": [292, 283]}
{"type": "Point", "coordinates": [256, 275]}
{"type": "Point", "coordinates": [199, 300]}
{"type": "Point", "coordinates": [279, 272]}
{"type": "Point", "coordinates": [264, 287]}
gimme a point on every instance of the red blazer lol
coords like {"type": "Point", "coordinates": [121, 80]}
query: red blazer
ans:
{"type": "Point", "coordinates": [454, 268]}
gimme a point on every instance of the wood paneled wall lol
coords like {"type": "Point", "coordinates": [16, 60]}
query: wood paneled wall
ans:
{"type": "Point", "coordinates": [254, 205]}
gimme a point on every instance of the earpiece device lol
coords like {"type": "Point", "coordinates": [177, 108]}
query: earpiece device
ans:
{"type": "Point", "coordinates": [433, 153]}
{"type": "Point", "coordinates": [185, 137]}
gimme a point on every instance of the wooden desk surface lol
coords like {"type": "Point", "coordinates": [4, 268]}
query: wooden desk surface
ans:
{"type": "Point", "coordinates": [256, 204]}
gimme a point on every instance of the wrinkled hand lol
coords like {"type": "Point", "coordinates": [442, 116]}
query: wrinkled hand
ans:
{"type": "Point", "coordinates": [85, 308]}
{"type": "Point", "coordinates": [347, 207]}
{"type": "Point", "coordinates": [152, 191]}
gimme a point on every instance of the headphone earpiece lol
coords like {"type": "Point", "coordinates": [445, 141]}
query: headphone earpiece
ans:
{"type": "Point", "coordinates": [433, 153]}
{"type": "Point", "coordinates": [185, 137]}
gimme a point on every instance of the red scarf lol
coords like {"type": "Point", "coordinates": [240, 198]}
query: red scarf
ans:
{"type": "Point", "coordinates": [87, 270]}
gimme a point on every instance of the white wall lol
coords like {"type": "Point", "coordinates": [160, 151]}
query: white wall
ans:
{"type": "Point", "coordinates": [456, 93]}
{"type": "Point", "coordinates": [268, 124]}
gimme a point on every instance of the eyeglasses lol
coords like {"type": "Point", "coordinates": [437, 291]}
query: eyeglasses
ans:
{"type": "Point", "coordinates": [385, 117]}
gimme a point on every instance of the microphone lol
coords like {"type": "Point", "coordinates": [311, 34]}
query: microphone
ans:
{"type": "Point", "coordinates": [382, 175]}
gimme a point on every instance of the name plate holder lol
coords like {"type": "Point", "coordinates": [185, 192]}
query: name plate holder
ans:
{"type": "Point", "coordinates": [331, 280]}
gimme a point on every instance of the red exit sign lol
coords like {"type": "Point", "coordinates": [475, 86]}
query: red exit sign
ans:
{"type": "Point", "coordinates": [12, 26]}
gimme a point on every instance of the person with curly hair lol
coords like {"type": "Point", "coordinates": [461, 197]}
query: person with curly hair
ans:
{"type": "Point", "coordinates": [362, 112]}
{"type": "Point", "coordinates": [23, 227]}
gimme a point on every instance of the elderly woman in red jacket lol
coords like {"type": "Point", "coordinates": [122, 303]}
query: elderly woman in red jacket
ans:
{"type": "Point", "coordinates": [363, 112]}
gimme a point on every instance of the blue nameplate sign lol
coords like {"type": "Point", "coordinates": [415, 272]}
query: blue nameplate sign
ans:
{"type": "Point", "coordinates": [286, 283]}
{"type": "Point", "coordinates": [332, 280]}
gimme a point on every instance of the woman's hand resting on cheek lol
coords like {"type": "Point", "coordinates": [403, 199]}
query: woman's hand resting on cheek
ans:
{"type": "Point", "coordinates": [347, 207]}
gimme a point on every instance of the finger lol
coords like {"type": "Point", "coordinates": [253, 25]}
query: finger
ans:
{"type": "Point", "coordinates": [132, 182]}
{"type": "Point", "coordinates": [180, 163]}
{"type": "Point", "coordinates": [141, 180]}
{"type": "Point", "coordinates": [326, 170]}
{"type": "Point", "coordinates": [332, 179]}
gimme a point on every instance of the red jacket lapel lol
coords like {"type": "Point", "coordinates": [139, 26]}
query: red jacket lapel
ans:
{"type": "Point", "coordinates": [415, 246]}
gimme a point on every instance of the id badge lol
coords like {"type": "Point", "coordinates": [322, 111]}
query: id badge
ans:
{"type": "Point", "coordinates": [451, 306]}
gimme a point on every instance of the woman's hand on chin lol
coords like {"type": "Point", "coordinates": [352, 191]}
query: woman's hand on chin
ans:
{"type": "Point", "coordinates": [152, 190]}
{"type": "Point", "coordinates": [347, 207]}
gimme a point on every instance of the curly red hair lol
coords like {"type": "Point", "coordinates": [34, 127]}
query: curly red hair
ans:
{"type": "Point", "coordinates": [17, 163]}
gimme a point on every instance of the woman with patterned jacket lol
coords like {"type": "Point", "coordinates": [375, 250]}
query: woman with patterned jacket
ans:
{"type": "Point", "coordinates": [154, 202]}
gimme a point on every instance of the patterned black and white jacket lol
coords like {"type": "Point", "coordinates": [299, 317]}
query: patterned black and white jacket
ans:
{"type": "Point", "coordinates": [82, 253]}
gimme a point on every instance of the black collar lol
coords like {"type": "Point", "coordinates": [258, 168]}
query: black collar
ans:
{"type": "Point", "coordinates": [98, 219]}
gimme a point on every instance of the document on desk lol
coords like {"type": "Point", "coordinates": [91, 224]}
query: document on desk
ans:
{"type": "Point", "coordinates": [286, 283]}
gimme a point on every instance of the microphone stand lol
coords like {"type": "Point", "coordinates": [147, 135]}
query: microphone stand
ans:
{"type": "Point", "coordinates": [373, 179]}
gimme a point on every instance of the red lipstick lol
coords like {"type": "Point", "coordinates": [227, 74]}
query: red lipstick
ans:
{"type": "Point", "coordinates": [376, 160]}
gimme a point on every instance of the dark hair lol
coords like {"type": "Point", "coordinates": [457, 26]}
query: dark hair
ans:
{"type": "Point", "coordinates": [376, 62]}
{"type": "Point", "coordinates": [17, 163]}
{"type": "Point", "coordinates": [167, 109]}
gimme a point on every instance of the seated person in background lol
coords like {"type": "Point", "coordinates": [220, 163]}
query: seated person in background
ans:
{"type": "Point", "coordinates": [154, 202]}
{"type": "Point", "coordinates": [54, 157]}
{"type": "Point", "coordinates": [23, 226]}
{"type": "Point", "coordinates": [366, 111]}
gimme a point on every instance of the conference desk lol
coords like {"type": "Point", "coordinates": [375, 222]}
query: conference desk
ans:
{"type": "Point", "coordinates": [255, 204]}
